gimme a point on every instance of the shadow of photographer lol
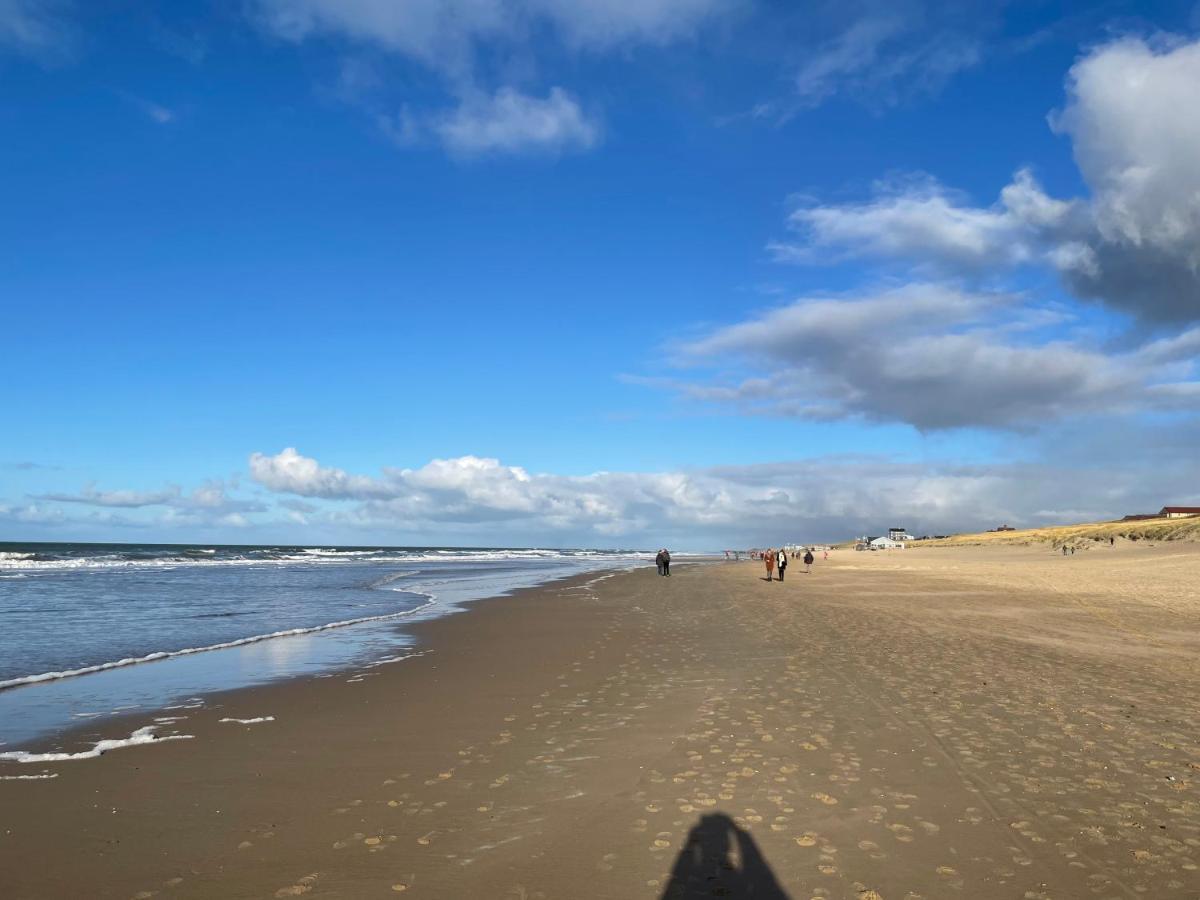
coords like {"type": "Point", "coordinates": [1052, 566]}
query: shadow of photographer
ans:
{"type": "Point", "coordinates": [719, 859]}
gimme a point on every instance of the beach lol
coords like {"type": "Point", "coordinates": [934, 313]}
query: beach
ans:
{"type": "Point", "coordinates": [978, 722]}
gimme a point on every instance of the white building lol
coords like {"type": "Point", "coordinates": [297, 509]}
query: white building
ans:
{"type": "Point", "coordinates": [886, 543]}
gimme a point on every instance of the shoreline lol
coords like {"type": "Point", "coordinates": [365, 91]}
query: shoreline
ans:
{"type": "Point", "coordinates": [996, 723]}
{"type": "Point", "coordinates": [78, 736]}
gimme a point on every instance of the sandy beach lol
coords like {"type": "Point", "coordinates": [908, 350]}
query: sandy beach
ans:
{"type": "Point", "coordinates": [975, 722]}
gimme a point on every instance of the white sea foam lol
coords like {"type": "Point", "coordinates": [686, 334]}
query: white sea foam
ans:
{"type": "Point", "coordinates": [240, 642]}
{"type": "Point", "coordinates": [250, 721]}
{"type": "Point", "coordinates": [312, 555]}
{"type": "Point", "coordinates": [41, 777]}
{"type": "Point", "coordinates": [144, 735]}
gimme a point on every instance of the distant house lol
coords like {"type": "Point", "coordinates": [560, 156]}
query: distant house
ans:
{"type": "Point", "coordinates": [1178, 512]}
{"type": "Point", "coordinates": [885, 543]}
{"type": "Point", "coordinates": [899, 534]}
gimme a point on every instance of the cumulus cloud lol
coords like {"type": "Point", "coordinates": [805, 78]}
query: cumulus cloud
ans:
{"type": "Point", "coordinates": [931, 356]}
{"type": "Point", "coordinates": [1133, 243]}
{"type": "Point", "coordinates": [290, 473]}
{"type": "Point", "coordinates": [918, 220]}
{"type": "Point", "coordinates": [1140, 156]}
{"type": "Point", "coordinates": [511, 122]}
{"type": "Point", "coordinates": [821, 498]}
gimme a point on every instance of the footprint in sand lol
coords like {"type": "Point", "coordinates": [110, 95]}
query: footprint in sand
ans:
{"type": "Point", "coordinates": [825, 798]}
{"type": "Point", "coordinates": [808, 839]}
{"type": "Point", "coordinates": [302, 886]}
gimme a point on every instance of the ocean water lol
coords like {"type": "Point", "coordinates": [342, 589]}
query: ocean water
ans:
{"type": "Point", "coordinates": [88, 631]}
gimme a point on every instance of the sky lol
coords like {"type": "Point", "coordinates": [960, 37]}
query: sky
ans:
{"type": "Point", "coordinates": [602, 273]}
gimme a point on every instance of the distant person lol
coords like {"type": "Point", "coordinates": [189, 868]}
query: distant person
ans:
{"type": "Point", "coordinates": [769, 559]}
{"type": "Point", "coordinates": [666, 562]}
{"type": "Point", "coordinates": [1064, 549]}
{"type": "Point", "coordinates": [781, 563]}
{"type": "Point", "coordinates": [825, 555]}
{"type": "Point", "coordinates": [808, 561]}
{"type": "Point", "coordinates": [658, 561]}
{"type": "Point", "coordinates": [1111, 541]}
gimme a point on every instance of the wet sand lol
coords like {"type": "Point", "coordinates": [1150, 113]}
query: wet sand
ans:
{"type": "Point", "coordinates": [985, 723]}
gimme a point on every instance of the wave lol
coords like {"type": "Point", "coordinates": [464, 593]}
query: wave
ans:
{"type": "Point", "coordinates": [25, 561]}
{"type": "Point", "coordinates": [188, 651]}
{"type": "Point", "coordinates": [143, 735]}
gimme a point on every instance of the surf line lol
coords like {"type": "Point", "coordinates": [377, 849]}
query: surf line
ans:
{"type": "Point", "coordinates": [240, 642]}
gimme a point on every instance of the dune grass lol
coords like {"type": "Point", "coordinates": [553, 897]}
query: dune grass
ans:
{"type": "Point", "coordinates": [1079, 535]}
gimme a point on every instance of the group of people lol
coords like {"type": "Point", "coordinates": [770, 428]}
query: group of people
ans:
{"type": "Point", "coordinates": [663, 561]}
{"type": "Point", "coordinates": [777, 561]}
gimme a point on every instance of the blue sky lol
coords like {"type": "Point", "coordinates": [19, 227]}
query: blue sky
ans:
{"type": "Point", "coordinates": [717, 272]}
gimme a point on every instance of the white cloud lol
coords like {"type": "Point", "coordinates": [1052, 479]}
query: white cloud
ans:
{"type": "Point", "coordinates": [92, 496]}
{"type": "Point", "coordinates": [1139, 152]}
{"type": "Point", "coordinates": [289, 472]}
{"type": "Point", "coordinates": [884, 58]}
{"type": "Point", "coordinates": [1134, 243]}
{"type": "Point", "coordinates": [930, 356]}
{"type": "Point", "coordinates": [211, 499]}
{"type": "Point", "coordinates": [32, 514]}
{"type": "Point", "coordinates": [512, 122]}
{"type": "Point", "coordinates": [821, 498]}
{"type": "Point", "coordinates": [448, 36]}
{"type": "Point", "coordinates": [442, 33]}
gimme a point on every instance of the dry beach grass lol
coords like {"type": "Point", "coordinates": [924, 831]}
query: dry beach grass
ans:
{"type": "Point", "coordinates": [964, 722]}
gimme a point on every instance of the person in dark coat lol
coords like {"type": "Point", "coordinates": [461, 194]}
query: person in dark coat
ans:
{"type": "Point", "coordinates": [808, 561]}
{"type": "Point", "coordinates": [666, 562]}
{"type": "Point", "coordinates": [658, 561]}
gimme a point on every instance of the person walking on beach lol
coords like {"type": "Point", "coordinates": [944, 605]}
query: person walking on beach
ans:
{"type": "Point", "coordinates": [781, 562]}
{"type": "Point", "coordinates": [808, 561]}
{"type": "Point", "coordinates": [666, 562]}
{"type": "Point", "coordinates": [658, 561]}
{"type": "Point", "coordinates": [769, 559]}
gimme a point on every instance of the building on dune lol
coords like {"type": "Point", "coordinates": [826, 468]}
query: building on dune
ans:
{"type": "Point", "coordinates": [1178, 512]}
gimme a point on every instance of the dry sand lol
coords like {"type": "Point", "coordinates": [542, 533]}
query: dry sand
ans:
{"type": "Point", "coordinates": [984, 723]}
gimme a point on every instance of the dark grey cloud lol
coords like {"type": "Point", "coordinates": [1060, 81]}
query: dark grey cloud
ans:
{"type": "Point", "coordinates": [931, 356]}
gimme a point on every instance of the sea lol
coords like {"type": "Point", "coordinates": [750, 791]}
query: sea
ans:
{"type": "Point", "coordinates": [92, 631]}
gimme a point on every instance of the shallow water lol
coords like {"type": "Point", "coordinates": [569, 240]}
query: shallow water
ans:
{"type": "Point", "coordinates": [78, 621]}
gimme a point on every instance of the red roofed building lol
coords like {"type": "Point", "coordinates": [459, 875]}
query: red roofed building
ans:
{"type": "Point", "coordinates": [1178, 512]}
